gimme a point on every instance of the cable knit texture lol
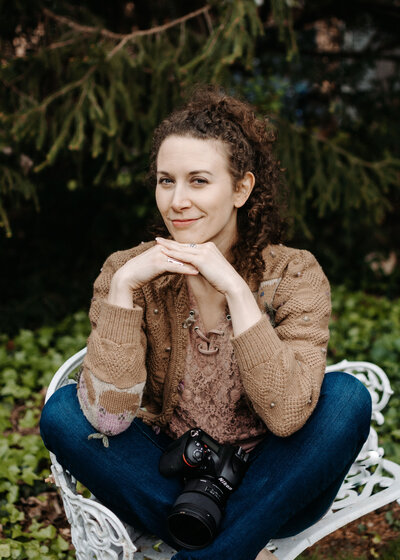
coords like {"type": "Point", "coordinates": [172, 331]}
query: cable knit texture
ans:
{"type": "Point", "coordinates": [281, 359]}
{"type": "Point", "coordinates": [212, 393]}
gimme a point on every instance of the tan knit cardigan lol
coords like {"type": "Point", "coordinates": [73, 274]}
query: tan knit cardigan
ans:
{"type": "Point", "coordinates": [136, 357]}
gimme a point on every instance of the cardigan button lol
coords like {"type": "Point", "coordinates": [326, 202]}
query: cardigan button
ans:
{"type": "Point", "coordinates": [272, 405]}
{"type": "Point", "coordinates": [155, 311]}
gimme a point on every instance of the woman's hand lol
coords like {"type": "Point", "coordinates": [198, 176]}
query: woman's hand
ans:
{"type": "Point", "coordinates": [213, 266]}
{"type": "Point", "coordinates": [142, 269]}
{"type": "Point", "coordinates": [208, 260]}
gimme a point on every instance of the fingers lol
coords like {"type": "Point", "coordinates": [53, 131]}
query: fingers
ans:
{"type": "Point", "coordinates": [171, 244]}
{"type": "Point", "coordinates": [204, 257]}
{"type": "Point", "coordinates": [201, 256]}
{"type": "Point", "coordinates": [183, 248]}
{"type": "Point", "coordinates": [196, 254]}
{"type": "Point", "coordinates": [175, 265]}
{"type": "Point", "coordinates": [174, 261]}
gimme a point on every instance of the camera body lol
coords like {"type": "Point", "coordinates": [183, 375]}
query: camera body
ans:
{"type": "Point", "coordinates": [211, 472]}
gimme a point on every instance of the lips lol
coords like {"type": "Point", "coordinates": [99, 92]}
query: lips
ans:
{"type": "Point", "coordinates": [184, 223]}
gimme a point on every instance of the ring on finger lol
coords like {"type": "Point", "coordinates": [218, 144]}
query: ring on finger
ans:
{"type": "Point", "coordinates": [174, 261]}
{"type": "Point", "coordinates": [193, 245]}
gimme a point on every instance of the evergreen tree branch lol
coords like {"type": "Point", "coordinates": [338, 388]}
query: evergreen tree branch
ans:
{"type": "Point", "coordinates": [355, 160]}
{"type": "Point", "coordinates": [17, 91]}
{"type": "Point", "coordinates": [352, 158]}
{"type": "Point", "coordinates": [4, 222]}
{"type": "Point", "coordinates": [66, 89]}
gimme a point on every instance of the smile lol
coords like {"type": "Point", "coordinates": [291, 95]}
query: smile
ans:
{"type": "Point", "coordinates": [180, 224]}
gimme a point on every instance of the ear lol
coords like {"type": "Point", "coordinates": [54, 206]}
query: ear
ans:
{"type": "Point", "coordinates": [244, 188]}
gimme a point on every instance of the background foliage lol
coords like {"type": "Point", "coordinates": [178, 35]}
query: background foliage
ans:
{"type": "Point", "coordinates": [82, 86]}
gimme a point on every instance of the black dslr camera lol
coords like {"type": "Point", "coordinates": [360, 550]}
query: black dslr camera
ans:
{"type": "Point", "coordinates": [211, 473]}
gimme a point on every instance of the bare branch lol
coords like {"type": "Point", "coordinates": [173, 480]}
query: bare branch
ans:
{"type": "Point", "coordinates": [81, 28]}
{"type": "Point", "coordinates": [157, 29]}
{"type": "Point", "coordinates": [124, 38]}
{"type": "Point", "coordinates": [62, 44]}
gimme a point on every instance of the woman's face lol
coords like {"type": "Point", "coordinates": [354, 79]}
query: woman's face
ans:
{"type": "Point", "coordinates": [195, 193]}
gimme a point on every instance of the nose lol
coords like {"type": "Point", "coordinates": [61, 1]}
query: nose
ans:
{"type": "Point", "coordinates": [180, 199]}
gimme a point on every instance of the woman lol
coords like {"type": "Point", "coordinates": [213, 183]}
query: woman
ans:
{"type": "Point", "coordinates": [216, 325]}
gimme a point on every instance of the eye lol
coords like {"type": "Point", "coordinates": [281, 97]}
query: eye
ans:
{"type": "Point", "coordinates": [165, 181]}
{"type": "Point", "coordinates": [199, 181]}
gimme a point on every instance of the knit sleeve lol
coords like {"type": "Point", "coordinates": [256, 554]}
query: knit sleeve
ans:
{"type": "Point", "coordinates": [282, 368]}
{"type": "Point", "coordinates": [113, 376]}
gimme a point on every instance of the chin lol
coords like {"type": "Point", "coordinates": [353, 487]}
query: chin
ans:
{"type": "Point", "coordinates": [188, 239]}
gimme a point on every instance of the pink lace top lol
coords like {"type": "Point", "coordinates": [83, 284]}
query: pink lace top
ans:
{"type": "Point", "coordinates": [212, 394]}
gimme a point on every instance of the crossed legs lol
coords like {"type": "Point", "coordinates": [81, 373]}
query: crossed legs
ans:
{"type": "Point", "coordinates": [289, 484]}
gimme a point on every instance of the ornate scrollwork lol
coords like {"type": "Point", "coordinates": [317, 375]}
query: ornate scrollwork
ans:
{"type": "Point", "coordinates": [95, 531]}
{"type": "Point", "coordinates": [367, 474]}
{"type": "Point", "coordinates": [375, 380]}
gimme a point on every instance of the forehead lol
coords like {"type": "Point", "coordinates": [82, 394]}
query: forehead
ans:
{"type": "Point", "coordinates": [187, 150]}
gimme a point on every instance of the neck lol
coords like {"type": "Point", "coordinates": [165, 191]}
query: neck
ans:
{"type": "Point", "coordinates": [227, 240]}
{"type": "Point", "coordinates": [199, 284]}
{"type": "Point", "coordinates": [203, 290]}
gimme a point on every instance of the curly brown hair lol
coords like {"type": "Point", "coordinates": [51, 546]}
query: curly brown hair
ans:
{"type": "Point", "coordinates": [212, 114]}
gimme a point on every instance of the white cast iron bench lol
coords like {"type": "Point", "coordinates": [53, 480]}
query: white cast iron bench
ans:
{"type": "Point", "coordinates": [371, 483]}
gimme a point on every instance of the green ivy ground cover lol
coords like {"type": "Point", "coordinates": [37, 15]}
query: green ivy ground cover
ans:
{"type": "Point", "coordinates": [367, 328]}
{"type": "Point", "coordinates": [363, 328]}
{"type": "Point", "coordinates": [27, 507]}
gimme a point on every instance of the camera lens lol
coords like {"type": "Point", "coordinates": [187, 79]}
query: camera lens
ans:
{"type": "Point", "coordinates": [194, 520]}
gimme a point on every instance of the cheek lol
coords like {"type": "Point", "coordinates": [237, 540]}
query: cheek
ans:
{"type": "Point", "coordinates": [224, 204]}
{"type": "Point", "coordinates": [160, 200]}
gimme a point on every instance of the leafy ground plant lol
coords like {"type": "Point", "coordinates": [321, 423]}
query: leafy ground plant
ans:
{"type": "Point", "coordinates": [32, 522]}
{"type": "Point", "coordinates": [367, 328]}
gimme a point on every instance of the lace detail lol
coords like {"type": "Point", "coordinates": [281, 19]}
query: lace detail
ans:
{"type": "Point", "coordinates": [212, 394]}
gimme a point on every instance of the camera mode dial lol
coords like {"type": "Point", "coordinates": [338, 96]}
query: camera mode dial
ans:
{"type": "Point", "coordinates": [194, 453]}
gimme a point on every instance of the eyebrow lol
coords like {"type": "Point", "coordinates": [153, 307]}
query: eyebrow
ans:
{"type": "Point", "coordinates": [190, 172]}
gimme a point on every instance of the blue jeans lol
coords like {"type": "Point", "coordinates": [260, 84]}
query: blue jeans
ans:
{"type": "Point", "coordinates": [290, 482]}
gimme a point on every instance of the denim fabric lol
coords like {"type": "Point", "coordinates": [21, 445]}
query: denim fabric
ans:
{"type": "Point", "coordinates": [289, 484]}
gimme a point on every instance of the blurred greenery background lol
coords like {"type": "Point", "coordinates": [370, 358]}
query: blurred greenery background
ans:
{"type": "Point", "coordinates": [82, 86]}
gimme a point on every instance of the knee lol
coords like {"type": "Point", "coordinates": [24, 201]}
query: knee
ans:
{"type": "Point", "coordinates": [351, 398]}
{"type": "Point", "coordinates": [55, 419]}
